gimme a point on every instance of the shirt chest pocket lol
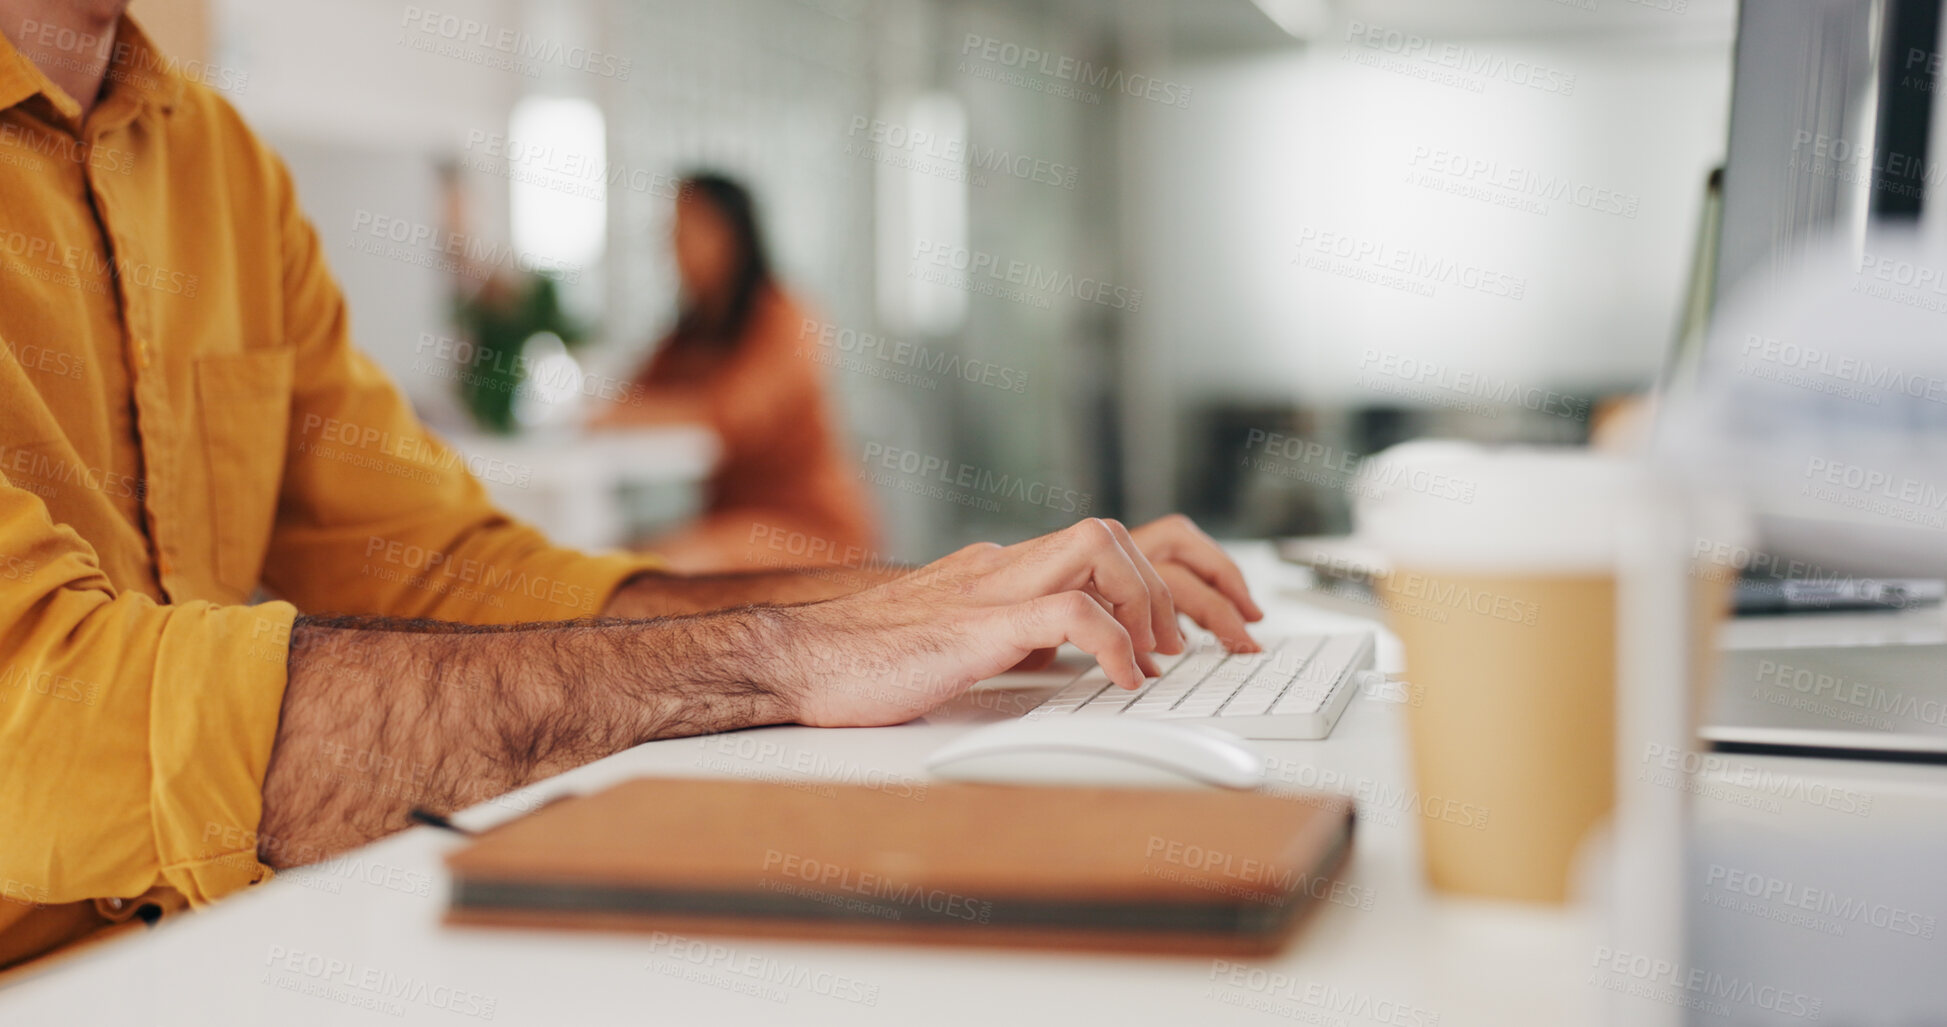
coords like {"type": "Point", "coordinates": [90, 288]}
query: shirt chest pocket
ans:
{"type": "Point", "coordinates": [245, 401]}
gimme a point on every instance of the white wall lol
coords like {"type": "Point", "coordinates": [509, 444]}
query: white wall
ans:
{"type": "Point", "coordinates": [351, 70]}
{"type": "Point", "coordinates": [1319, 141]}
{"type": "Point", "coordinates": [363, 117]}
{"type": "Point", "coordinates": [1202, 208]}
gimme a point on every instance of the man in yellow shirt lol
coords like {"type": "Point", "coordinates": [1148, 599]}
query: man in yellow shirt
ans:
{"type": "Point", "coordinates": [183, 421]}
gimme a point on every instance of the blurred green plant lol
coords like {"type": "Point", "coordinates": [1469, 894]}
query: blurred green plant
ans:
{"type": "Point", "coordinates": [501, 319]}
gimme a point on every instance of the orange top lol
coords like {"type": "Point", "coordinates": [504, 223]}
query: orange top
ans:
{"type": "Point", "coordinates": [182, 420]}
{"type": "Point", "coordinates": [783, 460]}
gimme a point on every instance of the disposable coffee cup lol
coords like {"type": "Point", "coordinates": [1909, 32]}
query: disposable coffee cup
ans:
{"type": "Point", "coordinates": [1502, 587]}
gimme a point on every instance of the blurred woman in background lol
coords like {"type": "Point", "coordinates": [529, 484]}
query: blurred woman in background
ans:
{"type": "Point", "coordinates": [742, 360]}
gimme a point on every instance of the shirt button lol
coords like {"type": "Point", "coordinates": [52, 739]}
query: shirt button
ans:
{"type": "Point", "coordinates": [142, 353]}
{"type": "Point", "coordinates": [114, 903]}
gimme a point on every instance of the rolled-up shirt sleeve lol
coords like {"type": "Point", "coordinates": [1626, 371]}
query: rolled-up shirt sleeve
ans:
{"type": "Point", "coordinates": [134, 736]}
{"type": "Point", "coordinates": [376, 515]}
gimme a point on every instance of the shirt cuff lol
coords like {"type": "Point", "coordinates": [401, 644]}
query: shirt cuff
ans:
{"type": "Point", "coordinates": [214, 706]}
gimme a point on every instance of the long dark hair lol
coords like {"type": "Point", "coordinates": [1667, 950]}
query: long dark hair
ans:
{"type": "Point", "coordinates": [749, 276]}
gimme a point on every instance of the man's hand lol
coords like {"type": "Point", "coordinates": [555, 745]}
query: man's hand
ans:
{"type": "Point", "coordinates": [1193, 569]}
{"type": "Point", "coordinates": [1201, 577]}
{"type": "Point", "coordinates": [891, 653]}
{"type": "Point", "coordinates": [1202, 580]}
{"type": "Point", "coordinates": [380, 716]}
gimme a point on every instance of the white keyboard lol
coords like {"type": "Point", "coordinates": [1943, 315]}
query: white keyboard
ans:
{"type": "Point", "coordinates": [1295, 688]}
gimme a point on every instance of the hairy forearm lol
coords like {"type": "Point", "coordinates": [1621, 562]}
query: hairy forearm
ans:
{"type": "Point", "coordinates": [664, 595]}
{"type": "Point", "coordinates": [382, 716]}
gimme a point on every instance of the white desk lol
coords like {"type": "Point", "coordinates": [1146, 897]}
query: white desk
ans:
{"type": "Point", "coordinates": [1410, 956]}
{"type": "Point", "coordinates": [1850, 853]}
{"type": "Point", "coordinates": [564, 481]}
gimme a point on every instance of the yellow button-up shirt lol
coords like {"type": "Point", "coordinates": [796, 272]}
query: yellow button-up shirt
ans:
{"type": "Point", "coordinates": [183, 421]}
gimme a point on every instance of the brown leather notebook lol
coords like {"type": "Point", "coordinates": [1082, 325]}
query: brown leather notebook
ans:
{"type": "Point", "coordinates": [1167, 870]}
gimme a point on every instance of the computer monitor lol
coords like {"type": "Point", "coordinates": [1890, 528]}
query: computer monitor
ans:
{"type": "Point", "coordinates": [1836, 156]}
{"type": "Point", "coordinates": [1833, 107]}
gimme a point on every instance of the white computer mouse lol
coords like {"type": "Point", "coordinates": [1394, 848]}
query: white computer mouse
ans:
{"type": "Point", "coordinates": [1112, 751]}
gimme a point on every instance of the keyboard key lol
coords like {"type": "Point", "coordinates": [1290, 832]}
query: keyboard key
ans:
{"type": "Point", "coordinates": [1253, 700]}
{"type": "Point", "coordinates": [1073, 695]}
{"type": "Point", "coordinates": [1180, 681]}
{"type": "Point", "coordinates": [1196, 706]}
{"type": "Point", "coordinates": [1105, 707]}
{"type": "Point", "coordinates": [1110, 696]}
{"type": "Point", "coordinates": [1188, 673]}
{"type": "Point", "coordinates": [1159, 698]}
{"type": "Point", "coordinates": [1235, 670]}
{"type": "Point", "coordinates": [1168, 661]}
{"type": "Point", "coordinates": [1298, 702]}
{"type": "Point", "coordinates": [1197, 665]}
{"type": "Point", "coordinates": [1332, 664]}
{"type": "Point", "coordinates": [1085, 685]}
{"type": "Point", "coordinates": [1276, 669]}
{"type": "Point", "coordinates": [1047, 709]}
{"type": "Point", "coordinates": [1263, 689]}
{"type": "Point", "coordinates": [1294, 652]}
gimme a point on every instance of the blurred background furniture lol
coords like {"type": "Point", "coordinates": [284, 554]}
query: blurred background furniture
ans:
{"type": "Point", "coordinates": [583, 489]}
{"type": "Point", "coordinates": [1359, 220]}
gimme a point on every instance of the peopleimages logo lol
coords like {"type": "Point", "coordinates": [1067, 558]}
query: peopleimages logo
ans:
{"type": "Point", "coordinates": [828, 876]}
{"type": "Point", "coordinates": [414, 449]}
{"type": "Point", "coordinates": [954, 151]}
{"type": "Point", "coordinates": [450, 34]}
{"type": "Point", "coordinates": [1014, 57]}
{"type": "Point", "coordinates": [1523, 183]}
{"type": "Point", "coordinates": [712, 962]}
{"type": "Point", "coordinates": [1376, 367]}
{"type": "Point", "coordinates": [1819, 909]}
{"type": "Point", "coordinates": [426, 562]}
{"type": "Point", "coordinates": [563, 171]}
{"type": "Point", "coordinates": [1896, 496]}
{"type": "Point", "coordinates": [368, 987]}
{"type": "Point", "coordinates": [1324, 464]}
{"type": "Point", "coordinates": [1414, 270]}
{"type": "Point", "coordinates": [1694, 987]}
{"type": "Point", "coordinates": [1744, 783]}
{"type": "Point", "coordinates": [820, 769]}
{"type": "Point", "coordinates": [126, 62]}
{"type": "Point", "coordinates": [975, 265]}
{"type": "Point", "coordinates": [1903, 282]}
{"type": "Point", "coordinates": [1378, 801]}
{"type": "Point", "coordinates": [1310, 999]}
{"type": "Point", "coordinates": [1415, 53]}
{"type": "Point", "coordinates": [1248, 877]}
{"type": "Point", "coordinates": [1816, 684]}
{"type": "Point", "coordinates": [49, 684]}
{"type": "Point", "coordinates": [840, 342]}
{"type": "Point", "coordinates": [428, 245]}
{"type": "Point", "coordinates": [979, 483]}
{"type": "Point", "coordinates": [1856, 161]}
{"type": "Point", "coordinates": [62, 147]}
{"type": "Point", "coordinates": [86, 268]}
